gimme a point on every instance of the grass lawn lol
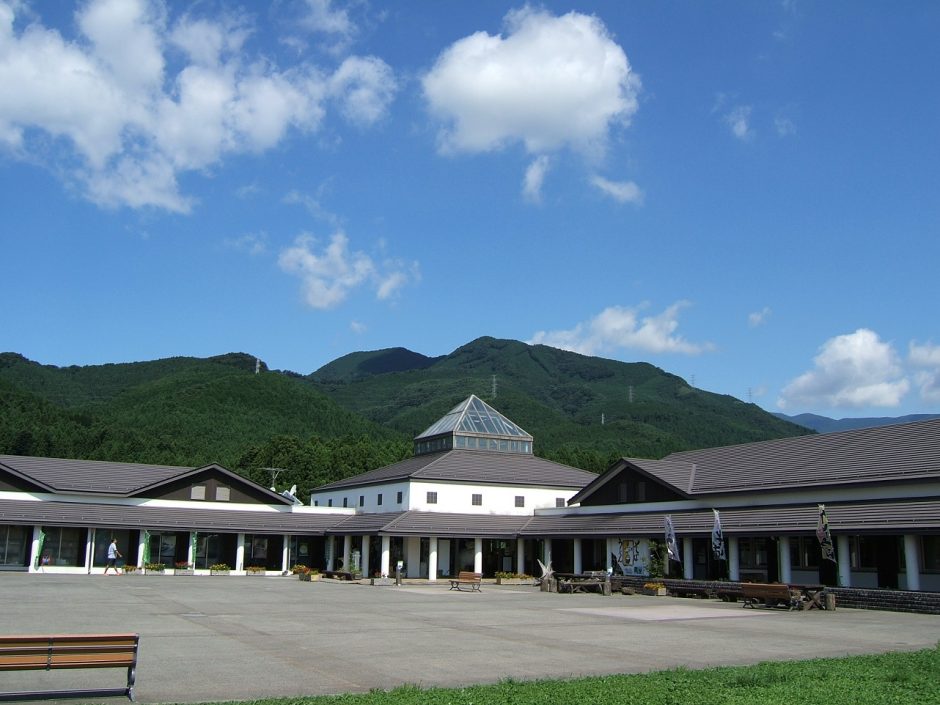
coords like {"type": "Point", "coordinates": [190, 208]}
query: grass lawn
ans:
{"type": "Point", "coordinates": [910, 678]}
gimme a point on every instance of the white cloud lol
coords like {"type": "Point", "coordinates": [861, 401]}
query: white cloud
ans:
{"type": "Point", "coordinates": [322, 17]}
{"type": "Point", "coordinates": [253, 243]}
{"type": "Point", "coordinates": [739, 120]}
{"type": "Point", "coordinates": [357, 327]}
{"type": "Point", "coordinates": [784, 126]}
{"type": "Point", "coordinates": [329, 274]}
{"type": "Point", "coordinates": [855, 370]}
{"type": "Point", "coordinates": [618, 327]}
{"type": "Point", "coordinates": [758, 318]}
{"type": "Point", "coordinates": [926, 358]}
{"type": "Point", "coordinates": [534, 176]}
{"type": "Point", "coordinates": [126, 129]}
{"type": "Point", "coordinates": [548, 82]}
{"type": "Point", "coordinates": [620, 191]}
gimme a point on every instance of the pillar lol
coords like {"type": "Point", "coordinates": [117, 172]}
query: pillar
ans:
{"type": "Point", "coordinates": [347, 549]}
{"type": "Point", "coordinates": [386, 555]}
{"type": "Point", "coordinates": [844, 557]}
{"type": "Point", "coordinates": [520, 556]}
{"type": "Point", "coordinates": [688, 558]}
{"type": "Point", "coordinates": [478, 555]}
{"type": "Point", "coordinates": [285, 555]}
{"type": "Point", "coordinates": [578, 559]}
{"type": "Point", "coordinates": [734, 567]}
{"type": "Point", "coordinates": [783, 559]}
{"type": "Point", "coordinates": [240, 553]}
{"type": "Point", "coordinates": [89, 548]}
{"type": "Point", "coordinates": [35, 562]}
{"type": "Point", "coordinates": [912, 561]}
{"type": "Point", "coordinates": [432, 559]}
{"type": "Point", "coordinates": [366, 568]}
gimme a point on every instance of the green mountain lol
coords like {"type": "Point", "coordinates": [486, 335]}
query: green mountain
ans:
{"type": "Point", "coordinates": [580, 409]}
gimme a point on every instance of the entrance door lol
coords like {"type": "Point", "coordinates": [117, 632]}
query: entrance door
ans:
{"type": "Point", "coordinates": [886, 558]}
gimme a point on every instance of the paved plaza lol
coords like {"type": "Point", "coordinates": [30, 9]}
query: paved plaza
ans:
{"type": "Point", "coordinates": [238, 638]}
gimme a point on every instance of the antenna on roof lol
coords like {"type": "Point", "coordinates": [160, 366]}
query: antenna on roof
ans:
{"type": "Point", "coordinates": [274, 473]}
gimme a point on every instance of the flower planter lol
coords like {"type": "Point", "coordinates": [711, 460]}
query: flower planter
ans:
{"type": "Point", "coordinates": [255, 573]}
{"type": "Point", "coordinates": [657, 592]}
{"type": "Point", "coordinates": [183, 571]}
{"type": "Point", "coordinates": [309, 577]}
{"type": "Point", "coordinates": [381, 581]}
{"type": "Point", "coordinates": [514, 581]}
{"type": "Point", "coordinates": [220, 572]}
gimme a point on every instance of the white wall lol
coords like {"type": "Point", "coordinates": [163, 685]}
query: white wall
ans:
{"type": "Point", "coordinates": [497, 499]}
{"type": "Point", "coordinates": [370, 495]}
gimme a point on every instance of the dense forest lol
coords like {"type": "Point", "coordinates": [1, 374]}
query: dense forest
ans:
{"type": "Point", "coordinates": [360, 411]}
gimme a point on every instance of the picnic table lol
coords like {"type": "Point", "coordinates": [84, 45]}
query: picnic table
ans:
{"type": "Point", "coordinates": [595, 580]}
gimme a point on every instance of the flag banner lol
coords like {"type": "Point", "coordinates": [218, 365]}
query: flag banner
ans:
{"type": "Point", "coordinates": [672, 548]}
{"type": "Point", "coordinates": [146, 547]}
{"type": "Point", "coordinates": [42, 542]}
{"type": "Point", "coordinates": [718, 539]}
{"type": "Point", "coordinates": [825, 537]}
{"type": "Point", "coordinates": [194, 545]}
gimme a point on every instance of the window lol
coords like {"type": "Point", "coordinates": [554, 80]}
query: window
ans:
{"type": "Point", "coordinates": [477, 500]}
{"type": "Point", "coordinates": [622, 492]}
{"type": "Point", "coordinates": [559, 501]}
{"type": "Point", "coordinates": [641, 491]}
{"type": "Point", "coordinates": [804, 552]}
{"type": "Point", "coordinates": [197, 492]}
{"type": "Point", "coordinates": [931, 550]}
{"type": "Point", "coordinates": [398, 498]}
{"type": "Point", "coordinates": [223, 494]}
{"type": "Point", "coordinates": [432, 497]}
{"type": "Point", "coordinates": [316, 503]}
{"type": "Point", "coordinates": [329, 502]}
{"type": "Point", "coordinates": [362, 500]}
{"type": "Point", "coordinates": [379, 501]}
{"type": "Point", "coordinates": [345, 501]}
{"type": "Point", "coordinates": [520, 501]}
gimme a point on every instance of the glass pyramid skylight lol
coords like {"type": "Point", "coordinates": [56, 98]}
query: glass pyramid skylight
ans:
{"type": "Point", "coordinates": [476, 425]}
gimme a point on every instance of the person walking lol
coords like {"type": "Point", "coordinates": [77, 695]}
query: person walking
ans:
{"type": "Point", "coordinates": [113, 555]}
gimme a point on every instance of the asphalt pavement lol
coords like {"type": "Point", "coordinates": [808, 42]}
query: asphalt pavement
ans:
{"type": "Point", "coordinates": [207, 639]}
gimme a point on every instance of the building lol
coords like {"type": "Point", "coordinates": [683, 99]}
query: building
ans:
{"type": "Point", "coordinates": [459, 504]}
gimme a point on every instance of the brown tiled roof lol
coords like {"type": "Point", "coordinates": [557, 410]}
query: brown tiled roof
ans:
{"type": "Point", "coordinates": [123, 516]}
{"type": "Point", "coordinates": [90, 476]}
{"type": "Point", "coordinates": [473, 466]}
{"type": "Point", "coordinates": [867, 517]}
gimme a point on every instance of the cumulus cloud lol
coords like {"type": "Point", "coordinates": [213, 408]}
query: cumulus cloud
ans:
{"type": "Point", "coordinates": [617, 328]}
{"type": "Point", "coordinates": [357, 327]}
{"type": "Point", "coordinates": [758, 318]}
{"type": "Point", "coordinates": [548, 82]}
{"type": "Point", "coordinates": [330, 273]}
{"type": "Point", "coordinates": [127, 128]}
{"type": "Point", "coordinates": [534, 176]}
{"type": "Point", "coordinates": [851, 371]}
{"type": "Point", "coordinates": [739, 120]}
{"type": "Point", "coordinates": [620, 191]}
{"type": "Point", "coordinates": [926, 359]}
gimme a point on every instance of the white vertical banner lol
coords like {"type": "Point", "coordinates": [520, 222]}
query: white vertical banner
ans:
{"type": "Point", "coordinates": [718, 539]}
{"type": "Point", "coordinates": [672, 548]}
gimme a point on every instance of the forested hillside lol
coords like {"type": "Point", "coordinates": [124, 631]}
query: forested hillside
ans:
{"type": "Point", "coordinates": [360, 411]}
{"type": "Point", "coordinates": [559, 397]}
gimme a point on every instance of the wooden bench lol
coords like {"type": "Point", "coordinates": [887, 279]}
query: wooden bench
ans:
{"type": "Point", "coordinates": [60, 651]}
{"type": "Point", "coordinates": [465, 577]}
{"type": "Point", "coordinates": [770, 595]}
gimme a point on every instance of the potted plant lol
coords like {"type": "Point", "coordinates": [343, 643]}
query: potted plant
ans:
{"type": "Point", "coordinates": [183, 568]}
{"type": "Point", "coordinates": [219, 569]}
{"type": "Point", "coordinates": [654, 588]}
{"type": "Point", "coordinates": [255, 570]}
{"type": "Point", "coordinates": [505, 578]}
{"type": "Point", "coordinates": [155, 568]}
{"type": "Point", "coordinates": [130, 570]}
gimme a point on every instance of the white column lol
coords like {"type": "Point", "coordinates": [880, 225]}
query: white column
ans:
{"type": "Point", "coordinates": [783, 559]}
{"type": "Point", "coordinates": [734, 567]}
{"type": "Point", "coordinates": [285, 555]}
{"type": "Point", "coordinates": [347, 549]}
{"type": "Point", "coordinates": [240, 553]}
{"type": "Point", "coordinates": [688, 558]}
{"type": "Point", "coordinates": [912, 561]}
{"type": "Point", "coordinates": [386, 555]}
{"type": "Point", "coordinates": [89, 549]}
{"type": "Point", "coordinates": [477, 555]}
{"type": "Point", "coordinates": [366, 568]}
{"type": "Point", "coordinates": [844, 557]}
{"type": "Point", "coordinates": [578, 560]}
{"type": "Point", "coordinates": [35, 563]}
{"type": "Point", "coordinates": [141, 547]}
{"type": "Point", "coordinates": [547, 552]}
{"type": "Point", "coordinates": [520, 556]}
{"type": "Point", "coordinates": [432, 559]}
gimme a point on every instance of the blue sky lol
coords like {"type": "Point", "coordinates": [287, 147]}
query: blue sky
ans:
{"type": "Point", "coordinates": [744, 194]}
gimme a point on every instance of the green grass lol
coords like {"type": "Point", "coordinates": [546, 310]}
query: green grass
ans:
{"type": "Point", "coordinates": [910, 678]}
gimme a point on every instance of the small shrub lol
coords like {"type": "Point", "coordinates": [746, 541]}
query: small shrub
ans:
{"type": "Point", "coordinates": [256, 569]}
{"type": "Point", "coordinates": [300, 569]}
{"type": "Point", "coordinates": [219, 566]}
{"type": "Point", "coordinates": [155, 567]}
